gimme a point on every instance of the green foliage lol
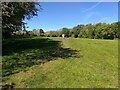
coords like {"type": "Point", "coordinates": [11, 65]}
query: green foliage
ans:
{"type": "Point", "coordinates": [115, 27]}
{"type": "Point", "coordinates": [53, 34]}
{"type": "Point", "coordinates": [31, 33]}
{"type": "Point", "coordinates": [13, 14]}
{"type": "Point", "coordinates": [71, 33]}
{"type": "Point", "coordinates": [41, 31]}
{"type": "Point", "coordinates": [76, 30]}
{"type": "Point", "coordinates": [97, 31]}
{"type": "Point", "coordinates": [65, 31]}
{"type": "Point", "coordinates": [19, 33]}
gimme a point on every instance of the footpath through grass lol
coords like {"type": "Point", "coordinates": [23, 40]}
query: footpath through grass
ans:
{"type": "Point", "coordinates": [61, 63]}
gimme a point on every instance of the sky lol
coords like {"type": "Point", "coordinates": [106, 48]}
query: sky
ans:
{"type": "Point", "coordinates": [56, 15]}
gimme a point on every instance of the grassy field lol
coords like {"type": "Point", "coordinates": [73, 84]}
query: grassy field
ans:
{"type": "Point", "coordinates": [60, 63]}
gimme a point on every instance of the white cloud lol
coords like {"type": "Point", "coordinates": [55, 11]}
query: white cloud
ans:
{"type": "Point", "coordinates": [92, 7]}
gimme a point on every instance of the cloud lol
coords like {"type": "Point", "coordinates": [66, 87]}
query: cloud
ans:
{"type": "Point", "coordinates": [92, 7]}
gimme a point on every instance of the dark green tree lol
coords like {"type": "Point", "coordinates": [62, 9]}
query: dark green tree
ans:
{"type": "Point", "coordinates": [66, 32]}
{"type": "Point", "coordinates": [41, 31]}
{"type": "Point", "coordinates": [13, 14]}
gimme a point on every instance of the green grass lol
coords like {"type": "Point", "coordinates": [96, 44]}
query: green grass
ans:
{"type": "Point", "coordinates": [61, 63]}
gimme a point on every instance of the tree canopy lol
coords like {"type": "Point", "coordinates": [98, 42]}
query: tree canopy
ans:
{"type": "Point", "coordinates": [13, 14]}
{"type": "Point", "coordinates": [93, 31]}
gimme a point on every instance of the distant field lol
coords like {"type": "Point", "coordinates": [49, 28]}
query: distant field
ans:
{"type": "Point", "coordinates": [61, 63]}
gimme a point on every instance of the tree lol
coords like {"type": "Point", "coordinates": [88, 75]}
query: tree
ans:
{"type": "Point", "coordinates": [71, 32]}
{"type": "Point", "coordinates": [41, 32]}
{"type": "Point", "coordinates": [97, 31]}
{"type": "Point", "coordinates": [115, 28]}
{"type": "Point", "coordinates": [65, 31]}
{"type": "Point", "coordinates": [19, 33]}
{"type": "Point", "coordinates": [13, 14]}
{"type": "Point", "coordinates": [77, 29]}
{"type": "Point", "coordinates": [36, 32]}
{"type": "Point", "coordinates": [30, 33]}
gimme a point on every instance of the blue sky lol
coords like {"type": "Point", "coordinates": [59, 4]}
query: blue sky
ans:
{"type": "Point", "coordinates": [56, 15]}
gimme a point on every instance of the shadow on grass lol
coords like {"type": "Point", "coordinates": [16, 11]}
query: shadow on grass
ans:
{"type": "Point", "coordinates": [23, 53]}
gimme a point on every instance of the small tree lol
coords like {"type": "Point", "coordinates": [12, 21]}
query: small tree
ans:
{"type": "Point", "coordinates": [41, 32]}
{"type": "Point", "coordinates": [65, 31]}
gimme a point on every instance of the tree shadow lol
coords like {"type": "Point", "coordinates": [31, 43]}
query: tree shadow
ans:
{"type": "Point", "coordinates": [22, 53]}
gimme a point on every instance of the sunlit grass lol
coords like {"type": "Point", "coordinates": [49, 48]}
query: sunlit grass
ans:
{"type": "Point", "coordinates": [94, 64]}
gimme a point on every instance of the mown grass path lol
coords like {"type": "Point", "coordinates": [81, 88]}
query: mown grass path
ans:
{"type": "Point", "coordinates": [94, 64]}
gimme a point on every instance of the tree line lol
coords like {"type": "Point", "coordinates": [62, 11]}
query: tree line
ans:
{"type": "Point", "coordinates": [25, 33]}
{"type": "Point", "coordinates": [92, 31]}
